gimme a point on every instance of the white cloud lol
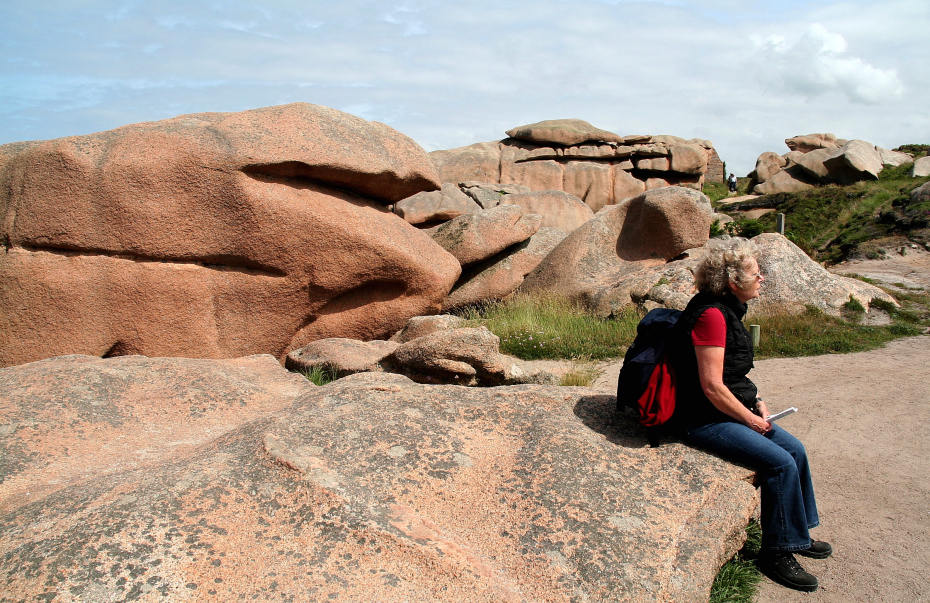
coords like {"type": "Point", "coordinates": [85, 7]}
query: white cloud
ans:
{"type": "Point", "coordinates": [817, 63]}
{"type": "Point", "coordinates": [452, 73]}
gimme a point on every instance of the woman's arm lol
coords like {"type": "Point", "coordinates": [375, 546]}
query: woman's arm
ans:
{"type": "Point", "coordinates": [710, 372]}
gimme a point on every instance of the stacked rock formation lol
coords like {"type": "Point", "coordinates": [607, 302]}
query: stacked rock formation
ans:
{"type": "Point", "coordinates": [228, 234]}
{"type": "Point", "coordinates": [499, 233]}
{"type": "Point", "coordinates": [816, 159]}
{"type": "Point", "coordinates": [571, 155]}
{"type": "Point", "coordinates": [214, 235]}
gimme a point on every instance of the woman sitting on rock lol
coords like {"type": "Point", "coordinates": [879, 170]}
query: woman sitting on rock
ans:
{"type": "Point", "coordinates": [720, 411]}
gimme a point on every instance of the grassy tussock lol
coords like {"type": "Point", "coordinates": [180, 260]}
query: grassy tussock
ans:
{"type": "Point", "coordinates": [738, 578]}
{"type": "Point", "coordinates": [534, 328]}
{"type": "Point", "coordinates": [581, 374]}
{"type": "Point", "coordinates": [320, 375]}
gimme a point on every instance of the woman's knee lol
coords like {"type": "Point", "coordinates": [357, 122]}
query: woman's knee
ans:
{"type": "Point", "coordinates": [791, 445]}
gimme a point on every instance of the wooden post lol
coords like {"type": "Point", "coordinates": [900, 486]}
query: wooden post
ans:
{"type": "Point", "coordinates": [780, 223]}
{"type": "Point", "coordinates": [754, 331]}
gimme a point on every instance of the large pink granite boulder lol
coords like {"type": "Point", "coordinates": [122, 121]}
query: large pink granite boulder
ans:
{"type": "Point", "coordinates": [436, 206]}
{"type": "Point", "coordinates": [921, 167]}
{"type": "Point", "coordinates": [479, 162]}
{"type": "Point", "coordinates": [811, 142]}
{"type": "Point", "coordinates": [856, 160]}
{"type": "Point", "coordinates": [372, 488]}
{"type": "Point", "coordinates": [812, 163]}
{"type": "Point", "coordinates": [793, 282]}
{"type": "Point", "coordinates": [767, 165]}
{"type": "Point", "coordinates": [688, 158]}
{"type": "Point", "coordinates": [73, 419]}
{"type": "Point", "coordinates": [781, 182]}
{"type": "Point", "coordinates": [213, 235]}
{"type": "Point", "coordinates": [589, 181]}
{"type": "Point", "coordinates": [418, 326]}
{"type": "Point", "coordinates": [340, 356]}
{"type": "Point", "coordinates": [620, 241]}
{"type": "Point", "coordinates": [626, 186]}
{"type": "Point", "coordinates": [562, 132]}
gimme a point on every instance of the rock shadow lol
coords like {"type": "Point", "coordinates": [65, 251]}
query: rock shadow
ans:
{"type": "Point", "coordinates": [599, 412]}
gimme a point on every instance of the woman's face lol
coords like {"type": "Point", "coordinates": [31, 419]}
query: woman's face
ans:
{"type": "Point", "coordinates": [752, 282]}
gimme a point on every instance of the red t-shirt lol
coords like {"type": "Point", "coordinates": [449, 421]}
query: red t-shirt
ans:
{"type": "Point", "coordinates": [710, 329]}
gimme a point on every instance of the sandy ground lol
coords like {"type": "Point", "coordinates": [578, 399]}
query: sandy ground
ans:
{"type": "Point", "coordinates": [864, 419]}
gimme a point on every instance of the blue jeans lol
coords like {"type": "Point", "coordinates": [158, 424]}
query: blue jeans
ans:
{"type": "Point", "coordinates": [788, 506]}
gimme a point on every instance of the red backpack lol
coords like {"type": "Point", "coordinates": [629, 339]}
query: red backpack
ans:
{"type": "Point", "coordinates": [647, 379]}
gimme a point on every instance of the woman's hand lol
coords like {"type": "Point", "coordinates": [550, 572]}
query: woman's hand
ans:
{"type": "Point", "coordinates": [758, 424]}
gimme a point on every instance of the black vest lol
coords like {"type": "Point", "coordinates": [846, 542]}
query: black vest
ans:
{"type": "Point", "coordinates": [692, 407]}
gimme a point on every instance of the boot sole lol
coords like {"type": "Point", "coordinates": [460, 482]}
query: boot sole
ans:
{"type": "Point", "coordinates": [810, 555]}
{"type": "Point", "coordinates": [807, 588]}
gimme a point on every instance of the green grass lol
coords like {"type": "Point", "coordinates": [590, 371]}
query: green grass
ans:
{"type": "Point", "coordinates": [738, 578]}
{"type": "Point", "coordinates": [813, 333]}
{"type": "Point", "coordinates": [715, 191]}
{"type": "Point", "coordinates": [534, 328]}
{"type": "Point", "coordinates": [551, 327]}
{"type": "Point", "coordinates": [320, 375]}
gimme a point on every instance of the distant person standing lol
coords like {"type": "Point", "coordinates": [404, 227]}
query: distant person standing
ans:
{"type": "Point", "coordinates": [731, 183]}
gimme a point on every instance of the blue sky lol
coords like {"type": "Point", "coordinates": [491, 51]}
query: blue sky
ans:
{"type": "Point", "coordinates": [744, 74]}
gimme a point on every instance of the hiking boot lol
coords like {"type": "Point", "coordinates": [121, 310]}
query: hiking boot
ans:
{"type": "Point", "coordinates": [783, 568]}
{"type": "Point", "coordinates": [817, 550]}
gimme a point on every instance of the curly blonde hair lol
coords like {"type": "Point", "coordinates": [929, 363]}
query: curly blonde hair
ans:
{"type": "Point", "coordinates": [725, 262]}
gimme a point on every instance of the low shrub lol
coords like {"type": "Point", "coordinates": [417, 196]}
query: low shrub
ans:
{"type": "Point", "coordinates": [581, 374]}
{"type": "Point", "coordinates": [743, 227]}
{"type": "Point", "coordinates": [853, 307]}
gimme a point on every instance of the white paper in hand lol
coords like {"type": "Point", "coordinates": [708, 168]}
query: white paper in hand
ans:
{"type": "Point", "coordinates": [781, 414]}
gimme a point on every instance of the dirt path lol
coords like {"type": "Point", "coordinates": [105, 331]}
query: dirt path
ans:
{"type": "Point", "coordinates": [863, 419]}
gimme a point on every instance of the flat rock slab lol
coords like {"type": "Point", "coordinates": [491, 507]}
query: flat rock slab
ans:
{"type": "Point", "coordinates": [73, 418]}
{"type": "Point", "coordinates": [377, 488]}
